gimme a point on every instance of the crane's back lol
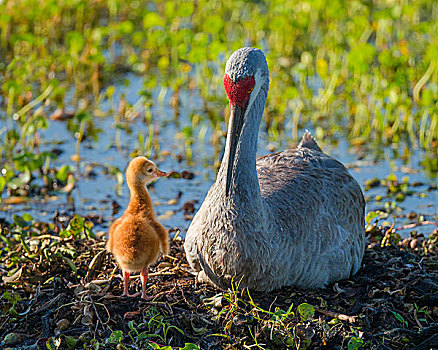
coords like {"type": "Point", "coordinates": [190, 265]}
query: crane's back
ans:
{"type": "Point", "coordinates": [316, 215]}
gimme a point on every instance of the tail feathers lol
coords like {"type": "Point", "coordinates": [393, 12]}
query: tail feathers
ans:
{"type": "Point", "coordinates": [309, 142]}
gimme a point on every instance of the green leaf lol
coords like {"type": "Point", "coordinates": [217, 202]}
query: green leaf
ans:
{"type": "Point", "coordinates": [90, 234]}
{"type": "Point", "coordinates": [355, 343]}
{"type": "Point", "coordinates": [13, 312]}
{"type": "Point", "coordinates": [7, 295]}
{"type": "Point", "coordinates": [392, 178]}
{"type": "Point", "coordinates": [185, 9]}
{"type": "Point", "coordinates": [27, 217]}
{"type": "Point", "coordinates": [146, 335]}
{"type": "Point", "coordinates": [19, 220]}
{"type": "Point", "coordinates": [125, 27]}
{"type": "Point", "coordinates": [213, 24]}
{"type": "Point", "coordinates": [64, 234]}
{"type": "Point", "coordinates": [360, 57]}
{"type": "Point", "coordinates": [278, 315]}
{"type": "Point", "coordinates": [76, 42]}
{"type": "Point", "coordinates": [371, 215]}
{"type": "Point", "coordinates": [400, 318]}
{"type": "Point", "coordinates": [110, 91]}
{"type": "Point", "coordinates": [306, 311]}
{"type": "Point", "coordinates": [63, 172]}
{"type": "Point", "coordinates": [152, 19]}
{"type": "Point", "coordinates": [188, 131]}
{"type": "Point", "coordinates": [115, 337]}
{"type": "Point", "coordinates": [16, 297]}
{"type": "Point", "coordinates": [131, 326]}
{"type": "Point", "coordinates": [69, 341]}
{"type": "Point", "coordinates": [432, 52]}
{"type": "Point", "coordinates": [84, 117]}
{"type": "Point", "coordinates": [2, 184]}
{"type": "Point", "coordinates": [190, 346]}
{"type": "Point", "coordinates": [159, 347]}
{"type": "Point", "coordinates": [76, 225]}
{"type": "Point", "coordinates": [30, 161]}
{"type": "Point", "coordinates": [69, 263]}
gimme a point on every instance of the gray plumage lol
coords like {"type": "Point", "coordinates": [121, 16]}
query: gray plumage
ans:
{"type": "Point", "coordinates": [244, 63]}
{"type": "Point", "coordinates": [309, 142]}
{"type": "Point", "coordinates": [293, 218]}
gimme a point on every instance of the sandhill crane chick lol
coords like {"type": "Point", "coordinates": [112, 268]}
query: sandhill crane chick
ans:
{"type": "Point", "coordinates": [136, 238]}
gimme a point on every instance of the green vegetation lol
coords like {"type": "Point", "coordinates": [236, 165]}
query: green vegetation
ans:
{"type": "Point", "coordinates": [365, 69]}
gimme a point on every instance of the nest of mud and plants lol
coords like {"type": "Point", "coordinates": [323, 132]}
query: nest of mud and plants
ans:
{"type": "Point", "coordinates": [61, 290]}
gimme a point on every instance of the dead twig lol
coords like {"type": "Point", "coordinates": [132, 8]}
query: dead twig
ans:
{"type": "Point", "coordinates": [337, 315]}
{"type": "Point", "coordinates": [163, 272]}
{"type": "Point", "coordinates": [47, 236]}
{"type": "Point", "coordinates": [97, 313]}
{"type": "Point", "coordinates": [416, 224]}
{"type": "Point", "coordinates": [399, 329]}
{"type": "Point", "coordinates": [47, 305]}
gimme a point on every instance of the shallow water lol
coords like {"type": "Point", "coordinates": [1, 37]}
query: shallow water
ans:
{"type": "Point", "coordinates": [94, 194]}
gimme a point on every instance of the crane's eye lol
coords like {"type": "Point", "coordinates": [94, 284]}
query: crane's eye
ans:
{"type": "Point", "coordinates": [250, 90]}
{"type": "Point", "coordinates": [149, 170]}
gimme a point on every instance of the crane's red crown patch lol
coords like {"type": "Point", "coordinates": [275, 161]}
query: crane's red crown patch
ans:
{"type": "Point", "coordinates": [239, 92]}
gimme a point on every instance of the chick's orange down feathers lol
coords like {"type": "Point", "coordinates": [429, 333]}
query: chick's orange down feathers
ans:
{"type": "Point", "coordinates": [136, 238]}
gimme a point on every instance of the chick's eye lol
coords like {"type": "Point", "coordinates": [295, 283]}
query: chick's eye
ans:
{"type": "Point", "coordinates": [149, 170]}
{"type": "Point", "coordinates": [250, 90]}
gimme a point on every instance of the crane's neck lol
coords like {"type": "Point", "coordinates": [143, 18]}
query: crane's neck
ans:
{"type": "Point", "coordinates": [140, 201]}
{"type": "Point", "coordinates": [245, 183]}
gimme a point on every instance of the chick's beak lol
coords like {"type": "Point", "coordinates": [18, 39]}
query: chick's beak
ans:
{"type": "Point", "coordinates": [161, 173]}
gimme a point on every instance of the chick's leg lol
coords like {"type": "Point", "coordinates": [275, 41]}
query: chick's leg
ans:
{"type": "Point", "coordinates": [126, 275]}
{"type": "Point", "coordinates": [144, 278]}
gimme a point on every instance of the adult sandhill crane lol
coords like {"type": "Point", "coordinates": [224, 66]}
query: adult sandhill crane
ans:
{"type": "Point", "coordinates": [293, 218]}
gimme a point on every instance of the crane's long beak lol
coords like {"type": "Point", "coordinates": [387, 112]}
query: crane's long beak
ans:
{"type": "Point", "coordinates": [236, 123]}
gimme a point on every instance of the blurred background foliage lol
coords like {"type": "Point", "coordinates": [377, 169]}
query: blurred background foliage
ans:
{"type": "Point", "coordinates": [365, 69]}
